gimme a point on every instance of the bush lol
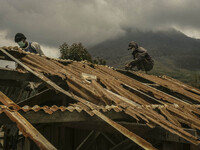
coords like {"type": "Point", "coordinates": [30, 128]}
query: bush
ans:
{"type": "Point", "coordinates": [74, 52]}
{"type": "Point", "coordinates": [78, 52]}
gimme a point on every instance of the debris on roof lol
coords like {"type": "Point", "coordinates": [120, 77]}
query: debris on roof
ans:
{"type": "Point", "coordinates": [160, 101]}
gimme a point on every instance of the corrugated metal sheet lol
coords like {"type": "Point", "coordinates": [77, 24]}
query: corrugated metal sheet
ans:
{"type": "Point", "coordinates": [172, 85]}
{"type": "Point", "coordinates": [54, 108]}
{"type": "Point", "coordinates": [105, 86]}
{"type": "Point", "coordinates": [24, 126]}
{"type": "Point", "coordinates": [28, 130]}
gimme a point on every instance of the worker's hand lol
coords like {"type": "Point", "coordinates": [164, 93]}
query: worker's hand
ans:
{"type": "Point", "coordinates": [127, 67]}
{"type": "Point", "coordinates": [15, 48]}
{"type": "Point", "coordinates": [20, 50]}
{"type": "Point", "coordinates": [10, 48]}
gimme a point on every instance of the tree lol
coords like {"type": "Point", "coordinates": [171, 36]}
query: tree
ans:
{"type": "Point", "coordinates": [74, 52]}
{"type": "Point", "coordinates": [64, 50]}
{"type": "Point", "coordinates": [78, 52]}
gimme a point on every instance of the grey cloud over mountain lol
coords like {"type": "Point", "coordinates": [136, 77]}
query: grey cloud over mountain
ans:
{"type": "Point", "coordinates": [52, 22]}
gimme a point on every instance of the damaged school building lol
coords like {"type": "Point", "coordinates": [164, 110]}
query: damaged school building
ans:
{"type": "Point", "coordinates": [62, 104]}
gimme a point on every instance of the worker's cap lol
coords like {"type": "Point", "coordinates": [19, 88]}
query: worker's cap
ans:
{"type": "Point", "coordinates": [19, 37]}
{"type": "Point", "coordinates": [132, 44]}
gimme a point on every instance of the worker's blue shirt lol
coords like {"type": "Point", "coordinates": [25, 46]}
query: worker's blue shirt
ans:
{"type": "Point", "coordinates": [29, 48]}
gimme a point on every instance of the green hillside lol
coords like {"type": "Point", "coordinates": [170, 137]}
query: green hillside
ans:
{"type": "Point", "coordinates": [184, 75]}
{"type": "Point", "coordinates": [175, 54]}
{"type": "Point", "coordinates": [164, 66]}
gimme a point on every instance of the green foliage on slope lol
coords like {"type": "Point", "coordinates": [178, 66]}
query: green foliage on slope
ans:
{"type": "Point", "coordinates": [75, 52]}
{"type": "Point", "coordinates": [169, 69]}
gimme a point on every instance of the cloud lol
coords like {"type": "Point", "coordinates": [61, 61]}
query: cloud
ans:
{"type": "Point", "coordinates": [52, 23]}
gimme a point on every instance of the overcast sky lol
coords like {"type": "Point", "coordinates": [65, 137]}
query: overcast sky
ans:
{"type": "Point", "coordinates": [52, 22]}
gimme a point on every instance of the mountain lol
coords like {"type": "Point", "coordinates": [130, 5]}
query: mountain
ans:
{"type": "Point", "coordinates": [164, 46]}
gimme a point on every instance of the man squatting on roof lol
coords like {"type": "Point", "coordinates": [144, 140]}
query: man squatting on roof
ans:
{"type": "Point", "coordinates": [32, 47]}
{"type": "Point", "coordinates": [141, 59]}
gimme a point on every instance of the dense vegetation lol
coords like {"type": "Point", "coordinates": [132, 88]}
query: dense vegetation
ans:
{"type": "Point", "coordinates": [79, 53]}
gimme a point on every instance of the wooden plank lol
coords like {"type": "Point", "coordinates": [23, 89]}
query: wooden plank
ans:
{"type": "Point", "coordinates": [141, 142]}
{"type": "Point", "coordinates": [8, 102]}
{"type": "Point", "coordinates": [40, 76]}
{"type": "Point", "coordinates": [158, 93]}
{"type": "Point", "coordinates": [128, 101]}
{"type": "Point", "coordinates": [183, 85]}
{"type": "Point", "coordinates": [169, 85]}
{"type": "Point", "coordinates": [25, 127]}
{"type": "Point", "coordinates": [144, 94]}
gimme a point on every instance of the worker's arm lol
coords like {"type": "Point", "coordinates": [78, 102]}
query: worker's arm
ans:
{"type": "Point", "coordinates": [36, 46]}
{"type": "Point", "coordinates": [141, 54]}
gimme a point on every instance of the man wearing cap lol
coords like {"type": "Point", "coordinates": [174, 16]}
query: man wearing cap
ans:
{"type": "Point", "coordinates": [141, 59]}
{"type": "Point", "coordinates": [32, 47]}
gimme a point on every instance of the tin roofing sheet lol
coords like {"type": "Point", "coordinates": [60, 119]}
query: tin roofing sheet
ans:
{"type": "Point", "coordinates": [96, 86]}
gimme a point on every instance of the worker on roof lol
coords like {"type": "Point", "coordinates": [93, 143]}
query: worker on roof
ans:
{"type": "Point", "coordinates": [32, 47]}
{"type": "Point", "coordinates": [141, 59]}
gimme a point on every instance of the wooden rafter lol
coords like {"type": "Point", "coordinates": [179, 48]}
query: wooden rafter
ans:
{"type": "Point", "coordinates": [24, 126]}
{"type": "Point", "coordinates": [135, 138]}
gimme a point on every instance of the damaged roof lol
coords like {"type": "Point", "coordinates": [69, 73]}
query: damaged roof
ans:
{"type": "Point", "coordinates": [157, 101]}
